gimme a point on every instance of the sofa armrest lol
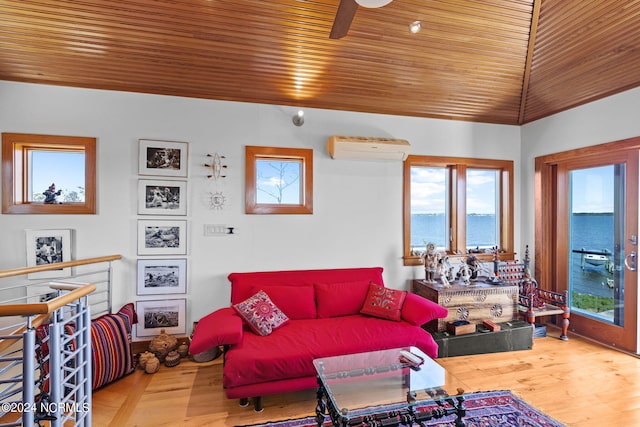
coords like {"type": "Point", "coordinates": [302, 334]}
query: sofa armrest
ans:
{"type": "Point", "coordinates": [222, 327]}
{"type": "Point", "coordinates": [418, 310]}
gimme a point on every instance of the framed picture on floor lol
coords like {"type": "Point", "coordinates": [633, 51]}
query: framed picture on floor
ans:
{"type": "Point", "coordinates": [46, 247]}
{"type": "Point", "coordinates": [162, 237]}
{"type": "Point", "coordinates": [162, 197]}
{"type": "Point", "coordinates": [156, 315]}
{"type": "Point", "coordinates": [162, 276]}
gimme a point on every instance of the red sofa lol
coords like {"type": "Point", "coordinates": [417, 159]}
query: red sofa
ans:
{"type": "Point", "coordinates": [323, 318]}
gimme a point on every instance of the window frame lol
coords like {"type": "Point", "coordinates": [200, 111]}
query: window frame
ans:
{"type": "Point", "coordinates": [15, 179]}
{"type": "Point", "coordinates": [303, 155]}
{"type": "Point", "coordinates": [457, 167]}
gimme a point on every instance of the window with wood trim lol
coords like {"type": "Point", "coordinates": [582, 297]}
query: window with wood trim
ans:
{"type": "Point", "coordinates": [278, 180]}
{"type": "Point", "coordinates": [46, 174]}
{"type": "Point", "coordinates": [459, 204]}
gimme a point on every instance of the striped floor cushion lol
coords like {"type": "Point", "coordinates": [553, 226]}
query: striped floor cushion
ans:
{"type": "Point", "coordinates": [111, 346]}
{"type": "Point", "coordinates": [112, 357]}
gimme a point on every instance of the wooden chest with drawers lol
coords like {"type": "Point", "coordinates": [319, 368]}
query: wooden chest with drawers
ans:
{"type": "Point", "coordinates": [475, 303]}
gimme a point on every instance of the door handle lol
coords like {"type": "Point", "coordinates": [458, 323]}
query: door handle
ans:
{"type": "Point", "coordinates": [633, 265]}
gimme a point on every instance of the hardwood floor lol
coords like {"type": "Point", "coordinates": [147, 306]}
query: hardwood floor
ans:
{"type": "Point", "coordinates": [577, 382]}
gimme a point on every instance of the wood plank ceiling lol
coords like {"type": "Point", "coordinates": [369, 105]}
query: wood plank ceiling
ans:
{"type": "Point", "coordinates": [494, 61]}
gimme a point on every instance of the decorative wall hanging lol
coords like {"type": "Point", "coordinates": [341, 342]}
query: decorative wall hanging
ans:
{"type": "Point", "coordinates": [217, 200]}
{"type": "Point", "coordinates": [162, 197]}
{"type": "Point", "coordinates": [158, 237]}
{"type": "Point", "coordinates": [162, 276]}
{"type": "Point", "coordinates": [163, 158]}
{"type": "Point", "coordinates": [155, 316]}
{"type": "Point", "coordinates": [48, 247]}
{"type": "Point", "coordinates": [215, 166]}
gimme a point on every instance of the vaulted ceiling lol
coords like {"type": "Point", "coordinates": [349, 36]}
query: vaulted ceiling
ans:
{"type": "Point", "coordinates": [495, 61]}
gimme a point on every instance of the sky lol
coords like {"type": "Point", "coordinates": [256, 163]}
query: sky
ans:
{"type": "Point", "coordinates": [272, 176]}
{"type": "Point", "coordinates": [66, 170]}
{"type": "Point", "coordinates": [429, 189]}
{"type": "Point", "coordinates": [592, 189]}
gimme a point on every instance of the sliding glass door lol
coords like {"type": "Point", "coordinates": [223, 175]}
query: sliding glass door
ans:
{"type": "Point", "coordinates": [587, 237]}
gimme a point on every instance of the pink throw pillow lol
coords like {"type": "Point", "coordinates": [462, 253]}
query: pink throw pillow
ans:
{"type": "Point", "coordinates": [297, 302]}
{"type": "Point", "coordinates": [418, 310]}
{"type": "Point", "coordinates": [383, 302]}
{"type": "Point", "coordinates": [340, 299]}
{"type": "Point", "coordinates": [261, 314]}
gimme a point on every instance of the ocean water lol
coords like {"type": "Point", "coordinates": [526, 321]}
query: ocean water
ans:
{"type": "Point", "coordinates": [481, 230]}
{"type": "Point", "coordinates": [592, 232]}
{"type": "Point", "coordinates": [589, 231]}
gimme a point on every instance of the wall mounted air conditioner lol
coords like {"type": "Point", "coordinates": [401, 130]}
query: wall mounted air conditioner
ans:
{"type": "Point", "coordinates": [358, 147]}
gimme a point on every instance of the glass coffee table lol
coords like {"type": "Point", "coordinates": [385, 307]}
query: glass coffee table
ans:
{"type": "Point", "coordinates": [404, 376]}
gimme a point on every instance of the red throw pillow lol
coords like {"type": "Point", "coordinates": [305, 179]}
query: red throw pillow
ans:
{"type": "Point", "coordinates": [261, 314]}
{"type": "Point", "coordinates": [340, 299]}
{"type": "Point", "coordinates": [383, 302]}
{"type": "Point", "coordinates": [297, 302]}
{"type": "Point", "coordinates": [418, 310]}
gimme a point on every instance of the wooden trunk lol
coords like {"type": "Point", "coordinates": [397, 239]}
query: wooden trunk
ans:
{"type": "Point", "coordinates": [475, 303]}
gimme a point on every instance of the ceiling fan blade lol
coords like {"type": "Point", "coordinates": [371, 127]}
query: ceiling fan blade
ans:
{"type": "Point", "coordinates": [344, 16]}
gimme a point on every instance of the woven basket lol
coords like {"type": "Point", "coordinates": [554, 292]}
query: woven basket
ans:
{"type": "Point", "coordinates": [172, 359]}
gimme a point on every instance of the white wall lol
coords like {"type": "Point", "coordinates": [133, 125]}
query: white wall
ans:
{"type": "Point", "coordinates": [357, 219]}
{"type": "Point", "coordinates": [610, 119]}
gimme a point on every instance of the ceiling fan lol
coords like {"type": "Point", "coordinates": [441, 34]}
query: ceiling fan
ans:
{"type": "Point", "coordinates": [347, 11]}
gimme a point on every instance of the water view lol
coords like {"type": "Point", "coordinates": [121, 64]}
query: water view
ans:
{"type": "Point", "coordinates": [590, 276]}
{"type": "Point", "coordinates": [481, 230]}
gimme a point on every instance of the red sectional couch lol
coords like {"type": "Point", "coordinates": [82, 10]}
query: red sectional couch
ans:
{"type": "Point", "coordinates": [322, 318]}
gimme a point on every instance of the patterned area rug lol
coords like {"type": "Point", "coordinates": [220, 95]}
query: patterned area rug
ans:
{"type": "Point", "coordinates": [491, 408]}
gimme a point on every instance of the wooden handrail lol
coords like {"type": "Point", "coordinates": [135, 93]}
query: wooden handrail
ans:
{"type": "Point", "coordinates": [35, 322]}
{"type": "Point", "coordinates": [77, 291]}
{"type": "Point", "coordinates": [57, 266]}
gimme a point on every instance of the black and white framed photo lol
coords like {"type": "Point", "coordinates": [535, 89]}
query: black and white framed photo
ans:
{"type": "Point", "coordinates": [163, 158]}
{"type": "Point", "coordinates": [162, 276]}
{"type": "Point", "coordinates": [162, 197]}
{"type": "Point", "coordinates": [48, 247]}
{"type": "Point", "coordinates": [154, 316]}
{"type": "Point", "coordinates": [162, 237]}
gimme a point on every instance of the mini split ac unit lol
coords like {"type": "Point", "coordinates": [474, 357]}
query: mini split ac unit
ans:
{"type": "Point", "coordinates": [358, 147]}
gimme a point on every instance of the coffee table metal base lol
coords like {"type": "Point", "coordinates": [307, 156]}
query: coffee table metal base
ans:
{"type": "Point", "coordinates": [401, 417]}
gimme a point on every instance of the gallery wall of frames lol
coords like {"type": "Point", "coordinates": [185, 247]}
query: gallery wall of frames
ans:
{"type": "Point", "coordinates": [162, 237]}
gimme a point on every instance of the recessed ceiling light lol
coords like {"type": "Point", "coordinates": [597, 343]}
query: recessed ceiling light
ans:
{"type": "Point", "coordinates": [415, 26]}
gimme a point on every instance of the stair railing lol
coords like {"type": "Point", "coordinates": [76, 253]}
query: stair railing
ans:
{"type": "Point", "coordinates": [45, 342]}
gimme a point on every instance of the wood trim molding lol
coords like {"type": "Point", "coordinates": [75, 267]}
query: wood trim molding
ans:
{"type": "Point", "coordinates": [457, 169]}
{"type": "Point", "coordinates": [14, 146]}
{"type": "Point", "coordinates": [304, 155]}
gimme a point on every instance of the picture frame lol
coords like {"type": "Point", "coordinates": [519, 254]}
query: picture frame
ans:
{"type": "Point", "coordinates": [163, 158]}
{"type": "Point", "coordinates": [157, 315]}
{"type": "Point", "coordinates": [162, 197]}
{"type": "Point", "coordinates": [162, 276]}
{"type": "Point", "coordinates": [49, 246]}
{"type": "Point", "coordinates": [162, 237]}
